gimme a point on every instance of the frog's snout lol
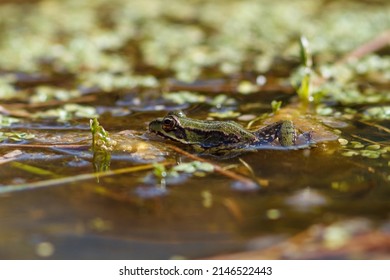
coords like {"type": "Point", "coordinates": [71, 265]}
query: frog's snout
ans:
{"type": "Point", "coordinates": [154, 126]}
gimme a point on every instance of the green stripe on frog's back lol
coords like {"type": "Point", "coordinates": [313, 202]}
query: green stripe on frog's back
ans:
{"type": "Point", "coordinates": [209, 134]}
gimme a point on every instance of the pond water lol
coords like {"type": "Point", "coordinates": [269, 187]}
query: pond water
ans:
{"type": "Point", "coordinates": [194, 216]}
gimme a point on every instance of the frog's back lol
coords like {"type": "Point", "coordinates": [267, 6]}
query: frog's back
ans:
{"type": "Point", "coordinates": [224, 134]}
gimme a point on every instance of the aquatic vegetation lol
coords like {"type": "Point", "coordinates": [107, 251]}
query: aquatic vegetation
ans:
{"type": "Point", "coordinates": [16, 136]}
{"type": "Point", "coordinates": [68, 112]}
{"type": "Point", "coordinates": [377, 113]}
{"type": "Point", "coordinates": [7, 121]}
{"type": "Point", "coordinates": [47, 93]}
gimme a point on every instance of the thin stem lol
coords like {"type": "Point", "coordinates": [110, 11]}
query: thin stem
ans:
{"type": "Point", "coordinates": [44, 146]}
{"type": "Point", "coordinates": [379, 42]}
{"type": "Point", "coordinates": [73, 179]}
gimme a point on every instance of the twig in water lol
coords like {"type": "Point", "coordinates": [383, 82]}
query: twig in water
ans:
{"type": "Point", "coordinates": [261, 182]}
{"type": "Point", "coordinates": [217, 168]}
{"type": "Point", "coordinates": [378, 126]}
{"type": "Point", "coordinates": [11, 156]}
{"type": "Point", "coordinates": [366, 139]}
{"type": "Point", "coordinates": [379, 42]}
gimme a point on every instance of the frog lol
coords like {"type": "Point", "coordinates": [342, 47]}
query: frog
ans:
{"type": "Point", "coordinates": [221, 137]}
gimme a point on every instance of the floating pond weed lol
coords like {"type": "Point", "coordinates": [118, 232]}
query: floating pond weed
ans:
{"type": "Point", "coordinates": [356, 148]}
{"type": "Point", "coordinates": [184, 97]}
{"type": "Point", "coordinates": [194, 166]}
{"type": "Point", "coordinates": [247, 87]}
{"type": "Point", "coordinates": [179, 173]}
{"type": "Point", "coordinates": [68, 112]}
{"type": "Point", "coordinates": [6, 121]}
{"type": "Point", "coordinates": [377, 113]}
{"type": "Point", "coordinates": [46, 93]}
{"type": "Point", "coordinates": [7, 89]}
{"type": "Point", "coordinates": [16, 136]}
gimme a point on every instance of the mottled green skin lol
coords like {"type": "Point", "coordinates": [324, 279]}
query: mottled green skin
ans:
{"type": "Point", "coordinates": [215, 136]}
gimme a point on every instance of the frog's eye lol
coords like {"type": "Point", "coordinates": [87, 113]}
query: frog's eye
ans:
{"type": "Point", "coordinates": [168, 124]}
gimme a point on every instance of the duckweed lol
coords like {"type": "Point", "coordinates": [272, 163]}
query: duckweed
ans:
{"type": "Point", "coordinates": [16, 136]}
{"type": "Point", "coordinates": [186, 49]}
{"type": "Point", "coordinates": [247, 87]}
{"type": "Point", "coordinates": [47, 93]}
{"type": "Point", "coordinates": [68, 112]}
{"type": "Point", "coordinates": [343, 141]}
{"type": "Point", "coordinates": [108, 82]}
{"type": "Point", "coordinates": [355, 148]}
{"type": "Point", "coordinates": [191, 167]}
{"type": "Point", "coordinates": [223, 100]}
{"type": "Point", "coordinates": [324, 111]}
{"type": "Point", "coordinates": [377, 113]}
{"type": "Point", "coordinates": [373, 147]}
{"type": "Point", "coordinates": [370, 153]}
{"type": "Point", "coordinates": [356, 145]}
{"type": "Point", "coordinates": [184, 97]}
{"type": "Point", "coordinates": [350, 153]}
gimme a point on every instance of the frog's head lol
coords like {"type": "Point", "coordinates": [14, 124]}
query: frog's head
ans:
{"type": "Point", "coordinates": [170, 127]}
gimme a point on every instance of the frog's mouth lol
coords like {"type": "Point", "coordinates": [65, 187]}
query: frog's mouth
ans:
{"type": "Point", "coordinates": [179, 135]}
{"type": "Point", "coordinates": [155, 126]}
